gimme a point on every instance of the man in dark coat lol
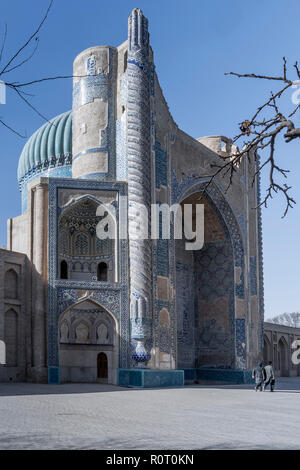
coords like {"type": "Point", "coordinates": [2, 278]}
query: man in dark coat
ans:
{"type": "Point", "coordinates": [270, 377]}
{"type": "Point", "coordinates": [258, 375]}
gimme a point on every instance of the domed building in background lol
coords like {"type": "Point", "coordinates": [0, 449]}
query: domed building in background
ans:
{"type": "Point", "coordinates": [75, 307]}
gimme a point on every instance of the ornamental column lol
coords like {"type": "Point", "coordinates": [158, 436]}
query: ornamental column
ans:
{"type": "Point", "coordinates": [139, 183]}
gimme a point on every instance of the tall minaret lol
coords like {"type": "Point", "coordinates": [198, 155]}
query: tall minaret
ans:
{"type": "Point", "coordinates": [139, 180]}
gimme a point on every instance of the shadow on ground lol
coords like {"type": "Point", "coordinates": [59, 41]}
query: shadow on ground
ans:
{"type": "Point", "coordinates": [283, 385]}
{"type": "Point", "coordinates": [17, 389]}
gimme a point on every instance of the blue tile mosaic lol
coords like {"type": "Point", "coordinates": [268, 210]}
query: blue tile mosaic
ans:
{"type": "Point", "coordinates": [146, 378]}
{"type": "Point", "coordinates": [253, 276]}
{"type": "Point", "coordinates": [163, 257]}
{"type": "Point", "coordinates": [160, 166]}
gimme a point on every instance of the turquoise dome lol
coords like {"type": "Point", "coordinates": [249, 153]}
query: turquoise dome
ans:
{"type": "Point", "coordinates": [50, 146]}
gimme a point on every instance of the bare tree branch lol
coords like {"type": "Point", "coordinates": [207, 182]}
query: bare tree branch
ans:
{"type": "Point", "coordinates": [11, 129]}
{"type": "Point", "coordinates": [32, 36]}
{"type": "Point", "coordinates": [13, 64]}
{"type": "Point", "coordinates": [40, 80]}
{"type": "Point", "coordinates": [24, 60]}
{"type": "Point", "coordinates": [263, 132]}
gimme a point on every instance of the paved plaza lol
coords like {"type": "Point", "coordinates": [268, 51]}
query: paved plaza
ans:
{"type": "Point", "coordinates": [95, 416]}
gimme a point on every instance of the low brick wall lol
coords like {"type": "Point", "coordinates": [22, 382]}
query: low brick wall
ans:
{"type": "Point", "coordinates": [149, 378]}
{"type": "Point", "coordinates": [218, 375]}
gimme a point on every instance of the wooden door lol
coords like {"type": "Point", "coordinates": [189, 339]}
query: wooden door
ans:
{"type": "Point", "coordinates": [102, 366]}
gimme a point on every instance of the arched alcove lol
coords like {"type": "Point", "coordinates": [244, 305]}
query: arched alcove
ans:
{"type": "Point", "coordinates": [86, 329]}
{"type": "Point", "coordinates": [102, 333]}
{"type": "Point", "coordinates": [267, 350]}
{"type": "Point", "coordinates": [11, 284]}
{"type": "Point", "coordinates": [205, 293]}
{"type": "Point", "coordinates": [283, 357]}
{"type": "Point", "coordinates": [82, 331]}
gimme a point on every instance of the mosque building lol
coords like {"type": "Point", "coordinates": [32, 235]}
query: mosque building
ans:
{"type": "Point", "coordinates": [136, 312]}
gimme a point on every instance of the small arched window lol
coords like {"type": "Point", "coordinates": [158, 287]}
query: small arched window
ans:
{"type": "Point", "coordinates": [64, 270]}
{"type": "Point", "coordinates": [102, 272]}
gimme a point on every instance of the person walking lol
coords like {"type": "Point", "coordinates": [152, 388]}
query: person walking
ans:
{"type": "Point", "coordinates": [258, 376]}
{"type": "Point", "coordinates": [270, 377]}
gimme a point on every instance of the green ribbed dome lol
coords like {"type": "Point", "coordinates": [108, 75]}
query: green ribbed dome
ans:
{"type": "Point", "coordinates": [50, 145]}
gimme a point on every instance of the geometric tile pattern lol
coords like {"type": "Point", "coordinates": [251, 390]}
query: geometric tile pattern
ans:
{"type": "Point", "coordinates": [214, 270]}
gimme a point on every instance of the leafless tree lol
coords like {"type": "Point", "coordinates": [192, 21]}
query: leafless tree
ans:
{"type": "Point", "coordinates": [11, 66]}
{"type": "Point", "coordinates": [288, 319]}
{"type": "Point", "coordinates": [260, 132]}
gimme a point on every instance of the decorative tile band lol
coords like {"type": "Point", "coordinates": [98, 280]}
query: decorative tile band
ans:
{"type": "Point", "coordinates": [260, 258]}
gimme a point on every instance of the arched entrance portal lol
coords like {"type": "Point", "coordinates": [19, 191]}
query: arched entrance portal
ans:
{"type": "Point", "coordinates": [82, 256]}
{"type": "Point", "coordinates": [205, 295]}
{"type": "Point", "coordinates": [88, 347]}
{"type": "Point", "coordinates": [283, 357]}
{"type": "Point", "coordinates": [267, 350]}
{"type": "Point", "coordinates": [102, 367]}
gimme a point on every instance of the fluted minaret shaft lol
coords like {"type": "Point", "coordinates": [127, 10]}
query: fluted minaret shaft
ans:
{"type": "Point", "coordinates": [139, 164]}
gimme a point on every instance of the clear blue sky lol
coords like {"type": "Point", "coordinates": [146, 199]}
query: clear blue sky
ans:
{"type": "Point", "coordinates": [194, 42]}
